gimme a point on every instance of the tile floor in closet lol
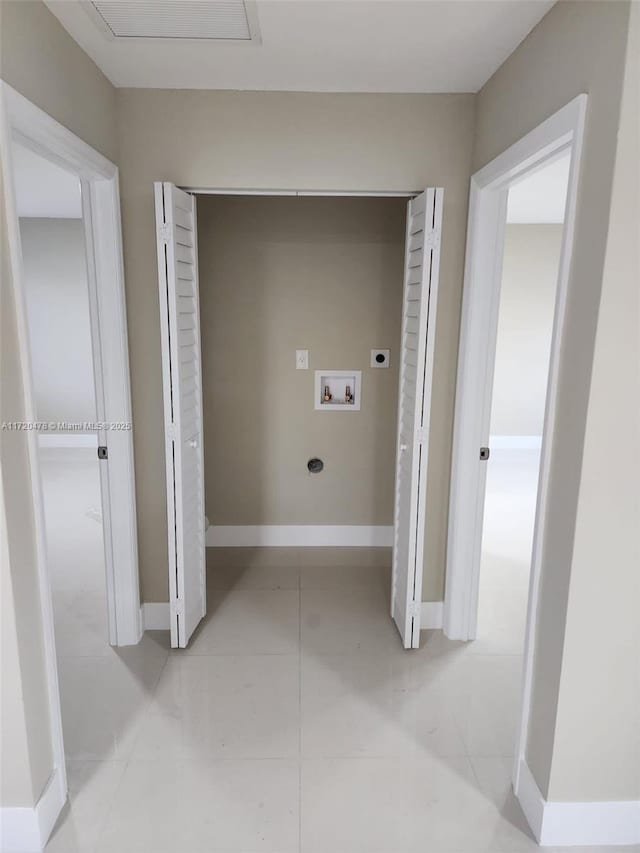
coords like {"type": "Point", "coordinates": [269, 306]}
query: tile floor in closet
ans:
{"type": "Point", "coordinates": [294, 721]}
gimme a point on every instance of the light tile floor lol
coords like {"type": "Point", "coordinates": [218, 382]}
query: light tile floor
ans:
{"type": "Point", "coordinates": [294, 721]}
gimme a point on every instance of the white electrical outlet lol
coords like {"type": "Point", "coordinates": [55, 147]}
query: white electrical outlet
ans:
{"type": "Point", "coordinates": [302, 359]}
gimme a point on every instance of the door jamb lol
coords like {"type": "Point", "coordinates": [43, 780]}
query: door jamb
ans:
{"type": "Point", "coordinates": [23, 122]}
{"type": "Point", "coordinates": [312, 193]}
{"type": "Point", "coordinates": [302, 193]}
{"type": "Point", "coordinates": [561, 132]}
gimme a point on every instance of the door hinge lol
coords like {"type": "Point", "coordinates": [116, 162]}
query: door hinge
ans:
{"type": "Point", "coordinates": [103, 453]}
{"type": "Point", "coordinates": [432, 238]}
{"type": "Point", "coordinates": [413, 609]}
{"type": "Point", "coordinates": [164, 233]}
{"type": "Point", "coordinates": [171, 432]}
{"type": "Point", "coordinates": [421, 435]}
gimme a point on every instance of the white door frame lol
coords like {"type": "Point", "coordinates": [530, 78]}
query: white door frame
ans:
{"type": "Point", "coordinates": [560, 133]}
{"type": "Point", "coordinates": [302, 193]}
{"type": "Point", "coordinates": [23, 122]}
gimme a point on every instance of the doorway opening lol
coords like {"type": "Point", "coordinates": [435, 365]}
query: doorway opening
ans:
{"type": "Point", "coordinates": [64, 240]}
{"type": "Point", "coordinates": [268, 302]}
{"type": "Point", "coordinates": [54, 263]}
{"type": "Point", "coordinates": [549, 157]}
{"type": "Point", "coordinates": [528, 290]}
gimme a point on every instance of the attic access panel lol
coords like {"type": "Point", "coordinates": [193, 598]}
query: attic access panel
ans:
{"type": "Point", "coordinates": [225, 20]}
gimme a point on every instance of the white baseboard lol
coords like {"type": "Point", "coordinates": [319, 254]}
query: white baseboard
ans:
{"type": "Point", "coordinates": [50, 804]}
{"type": "Point", "coordinates": [530, 798]}
{"type": "Point", "coordinates": [515, 442]}
{"type": "Point", "coordinates": [20, 831]}
{"type": "Point", "coordinates": [27, 830]}
{"type": "Point", "coordinates": [560, 824]}
{"type": "Point", "coordinates": [154, 616]}
{"type": "Point", "coordinates": [67, 439]}
{"type": "Point", "coordinates": [299, 535]}
{"type": "Point", "coordinates": [431, 614]}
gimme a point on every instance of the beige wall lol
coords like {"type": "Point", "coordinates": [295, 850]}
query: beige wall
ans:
{"type": "Point", "coordinates": [57, 296]}
{"type": "Point", "coordinates": [276, 275]}
{"type": "Point", "coordinates": [596, 752]}
{"type": "Point", "coordinates": [15, 771]}
{"type": "Point", "coordinates": [525, 320]}
{"type": "Point", "coordinates": [577, 47]}
{"type": "Point", "coordinates": [26, 743]}
{"type": "Point", "coordinates": [41, 61]}
{"type": "Point", "coordinates": [288, 141]}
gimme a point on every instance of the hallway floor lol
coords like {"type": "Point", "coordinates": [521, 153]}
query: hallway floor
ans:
{"type": "Point", "coordinates": [293, 722]}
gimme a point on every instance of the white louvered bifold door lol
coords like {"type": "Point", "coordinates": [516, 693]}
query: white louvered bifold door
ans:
{"type": "Point", "coordinates": [422, 256]}
{"type": "Point", "coordinates": [182, 389]}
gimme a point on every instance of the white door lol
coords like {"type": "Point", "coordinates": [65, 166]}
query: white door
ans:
{"type": "Point", "coordinates": [422, 258]}
{"type": "Point", "coordinates": [182, 390]}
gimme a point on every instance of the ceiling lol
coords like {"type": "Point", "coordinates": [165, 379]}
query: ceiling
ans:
{"type": "Point", "coordinates": [43, 189]}
{"type": "Point", "coordinates": [317, 45]}
{"type": "Point", "coordinates": [226, 20]}
{"type": "Point", "coordinates": [540, 198]}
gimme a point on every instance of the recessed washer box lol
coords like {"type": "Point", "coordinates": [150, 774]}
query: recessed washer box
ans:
{"type": "Point", "coordinates": [343, 388]}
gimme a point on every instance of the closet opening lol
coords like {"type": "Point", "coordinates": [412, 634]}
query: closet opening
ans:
{"type": "Point", "coordinates": [298, 339]}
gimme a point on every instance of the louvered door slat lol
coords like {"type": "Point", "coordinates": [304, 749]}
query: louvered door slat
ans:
{"type": "Point", "coordinates": [182, 387]}
{"type": "Point", "coordinates": [424, 216]}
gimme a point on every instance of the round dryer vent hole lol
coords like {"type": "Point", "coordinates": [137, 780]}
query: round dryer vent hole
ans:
{"type": "Point", "coordinates": [379, 358]}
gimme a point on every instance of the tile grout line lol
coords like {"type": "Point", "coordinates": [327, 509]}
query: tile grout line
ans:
{"type": "Point", "coordinates": [473, 771]}
{"type": "Point", "coordinates": [105, 823]}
